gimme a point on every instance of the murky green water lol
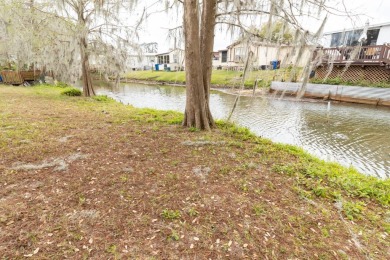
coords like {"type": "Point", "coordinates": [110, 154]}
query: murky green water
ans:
{"type": "Point", "coordinates": [351, 134]}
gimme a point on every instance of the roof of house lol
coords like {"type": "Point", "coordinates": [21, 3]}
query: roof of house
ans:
{"type": "Point", "coordinates": [142, 55]}
{"type": "Point", "coordinates": [166, 53]}
{"type": "Point", "coordinates": [374, 26]}
{"type": "Point", "coordinates": [259, 43]}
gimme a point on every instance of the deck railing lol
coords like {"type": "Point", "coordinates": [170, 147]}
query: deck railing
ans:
{"type": "Point", "coordinates": [379, 54]}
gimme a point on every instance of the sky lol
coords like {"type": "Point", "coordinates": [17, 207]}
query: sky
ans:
{"type": "Point", "coordinates": [155, 28]}
{"type": "Point", "coordinates": [375, 11]}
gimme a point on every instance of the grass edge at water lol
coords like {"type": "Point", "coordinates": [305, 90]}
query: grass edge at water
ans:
{"type": "Point", "coordinates": [309, 171]}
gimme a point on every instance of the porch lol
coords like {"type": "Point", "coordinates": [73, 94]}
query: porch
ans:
{"type": "Point", "coordinates": [364, 55]}
{"type": "Point", "coordinates": [369, 64]}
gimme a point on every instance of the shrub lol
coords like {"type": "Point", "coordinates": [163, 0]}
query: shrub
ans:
{"type": "Point", "coordinates": [63, 85]}
{"type": "Point", "coordinates": [72, 92]}
{"type": "Point", "coordinates": [102, 98]}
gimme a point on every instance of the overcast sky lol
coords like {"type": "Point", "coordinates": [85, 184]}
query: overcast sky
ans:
{"type": "Point", "coordinates": [375, 11]}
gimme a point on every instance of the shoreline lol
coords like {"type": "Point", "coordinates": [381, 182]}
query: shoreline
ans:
{"type": "Point", "coordinates": [269, 97]}
{"type": "Point", "coordinates": [340, 93]}
{"type": "Point", "coordinates": [230, 90]}
{"type": "Point", "coordinates": [179, 190]}
{"type": "Point", "coordinates": [168, 83]}
{"type": "Point", "coordinates": [289, 89]}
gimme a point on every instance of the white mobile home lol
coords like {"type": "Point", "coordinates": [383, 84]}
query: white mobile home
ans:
{"type": "Point", "coordinates": [263, 55]}
{"type": "Point", "coordinates": [141, 62]}
{"type": "Point", "coordinates": [172, 60]}
{"type": "Point", "coordinates": [220, 59]}
{"type": "Point", "coordinates": [378, 34]}
{"type": "Point", "coordinates": [368, 61]}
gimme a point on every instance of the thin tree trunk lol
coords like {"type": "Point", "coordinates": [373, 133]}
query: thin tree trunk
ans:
{"type": "Point", "coordinates": [86, 74]}
{"type": "Point", "coordinates": [197, 113]}
{"type": "Point", "coordinates": [42, 77]}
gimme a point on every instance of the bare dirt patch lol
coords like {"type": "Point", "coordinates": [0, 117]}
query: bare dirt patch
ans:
{"type": "Point", "coordinates": [58, 164]}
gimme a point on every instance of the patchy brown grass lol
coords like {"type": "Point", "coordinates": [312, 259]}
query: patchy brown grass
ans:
{"type": "Point", "coordinates": [81, 178]}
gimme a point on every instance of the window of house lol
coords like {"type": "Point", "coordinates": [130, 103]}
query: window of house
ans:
{"type": "Point", "coordinates": [352, 37]}
{"type": "Point", "coordinates": [337, 39]}
{"type": "Point", "coordinates": [372, 37]}
{"type": "Point", "coordinates": [239, 54]}
{"type": "Point", "coordinates": [163, 59]}
{"type": "Point", "coordinates": [224, 56]}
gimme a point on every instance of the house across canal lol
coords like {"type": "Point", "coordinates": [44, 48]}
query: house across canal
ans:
{"type": "Point", "coordinates": [360, 54]}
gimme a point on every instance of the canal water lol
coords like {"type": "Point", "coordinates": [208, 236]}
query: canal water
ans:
{"type": "Point", "coordinates": [351, 134]}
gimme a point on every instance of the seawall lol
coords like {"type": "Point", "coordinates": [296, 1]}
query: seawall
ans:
{"type": "Point", "coordinates": [354, 94]}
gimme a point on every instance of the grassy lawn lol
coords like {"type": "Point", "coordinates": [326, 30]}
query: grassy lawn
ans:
{"type": "Point", "coordinates": [219, 77]}
{"type": "Point", "coordinates": [92, 178]}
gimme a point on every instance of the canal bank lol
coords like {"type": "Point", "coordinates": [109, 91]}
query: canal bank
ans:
{"type": "Point", "coordinates": [234, 88]}
{"type": "Point", "coordinates": [219, 78]}
{"type": "Point", "coordinates": [353, 94]}
{"type": "Point", "coordinates": [351, 134]}
{"type": "Point", "coordinates": [129, 178]}
{"type": "Point", "coordinates": [341, 93]}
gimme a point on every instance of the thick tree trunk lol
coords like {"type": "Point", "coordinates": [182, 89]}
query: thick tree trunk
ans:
{"type": "Point", "coordinates": [197, 112]}
{"type": "Point", "coordinates": [207, 45]}
{"type": "Point", "coordinates": [86, 74]}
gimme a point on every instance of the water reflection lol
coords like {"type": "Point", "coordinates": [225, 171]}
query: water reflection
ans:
{"type": "Point", "coordinates": [351, 134]}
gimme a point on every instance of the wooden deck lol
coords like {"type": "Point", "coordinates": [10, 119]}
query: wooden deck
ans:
{"type": "Point", "coordinates": [19, 77]}
{"type": "Point", "coordinates": [30, 75]}
{"type": "Point", "coordinates": [11, 77]}
{"type": "Point", "coordinates": [365, 55]}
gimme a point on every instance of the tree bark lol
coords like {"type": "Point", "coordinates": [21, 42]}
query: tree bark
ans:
{"type": "Point", "coordinates": [198, 69]}
{"type": "Point", "coordinates": [85, 71]}
{"type": "Point", "coordinates": [207, 44]}
{"type": "Point", "coordinates": [86, 74]}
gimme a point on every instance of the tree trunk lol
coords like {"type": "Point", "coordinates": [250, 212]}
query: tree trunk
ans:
{"type": "Point", "coordinates": [197, 113]}
{"type": "Point", "coordinates": [207, 45]}
{"type": "Point", "coordinates": [42, 77]}
{"type": "Point", "coordinates": [86, 74]}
